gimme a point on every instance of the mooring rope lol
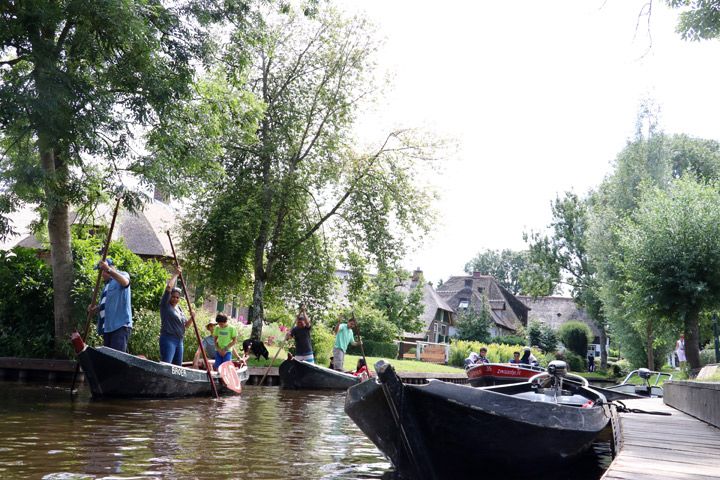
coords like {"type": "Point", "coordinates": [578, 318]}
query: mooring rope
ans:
{"type": "Point", "coordinates": [622, 408]}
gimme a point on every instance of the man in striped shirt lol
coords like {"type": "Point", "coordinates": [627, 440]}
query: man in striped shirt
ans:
{"type": "Point", "coordinates": [114, 310]}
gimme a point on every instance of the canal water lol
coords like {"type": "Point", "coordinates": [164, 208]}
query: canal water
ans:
{"type": "Point", "coordinates": [267, 433]}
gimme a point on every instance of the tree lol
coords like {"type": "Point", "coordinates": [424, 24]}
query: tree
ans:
{"type": "Point", "coordinates": [77, 78]}
{"type": "Point", "coordinates": [401, 304]}
{"type": "Point", "coordinates": [298, 193]}
{"type": "Point", "coordinates": [575, 335]}
{"type": "Point", "coordinates": [474, 324]}
{"type": "Point", "coordinates": [505, 266]}
{"type": "Point", "coordinates": [651, 159]}
{"type": "Point", "coordinates": [563, 257]}
{"type": "Point", "coordinates": [671, 256]}
{"type": "Point", "coordinates": [542, 335]}
{"type": "Point", "coordinates": [699, 20]}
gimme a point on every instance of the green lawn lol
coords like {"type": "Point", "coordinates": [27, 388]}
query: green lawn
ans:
{"type": "Point", "coordinates": [351, 363]}
{"type": "Point", "coordinates": [403, 365]}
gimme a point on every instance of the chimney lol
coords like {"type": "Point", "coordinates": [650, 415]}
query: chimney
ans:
{"type": "Point", "coordinates": [417, 274]}
{"type": "Point", "coordinates": [477, 274]}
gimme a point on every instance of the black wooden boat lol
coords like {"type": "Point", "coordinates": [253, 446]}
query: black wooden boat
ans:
{"type": "Point", "coordinates": [444, 430]}
{"type": "Point", "coordinates": [304, 375]}
{"type": "Point", "coordinates": [111, 373]}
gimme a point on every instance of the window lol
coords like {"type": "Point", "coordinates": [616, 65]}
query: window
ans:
{"type": "Point", "coordinates": [463, 304]}
{"type": "Point", "coordinates": [468, 283]}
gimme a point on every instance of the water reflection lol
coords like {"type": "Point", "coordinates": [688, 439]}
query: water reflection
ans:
{"type": "Point", "coordinates": [266, 433]}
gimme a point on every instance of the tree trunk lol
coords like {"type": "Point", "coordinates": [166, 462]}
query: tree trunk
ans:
{"type": "Point", "coordinates": [258, 312]}
{"type": "Point", "coordinates": [692, 340]}
{"type": "Point", "coordinates": [649, 346]}
{"type": "Point", "coordinates": [60, 250]}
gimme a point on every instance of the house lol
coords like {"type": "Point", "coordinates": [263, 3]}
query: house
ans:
{"type": "Point", "coordinates": [145, 234]}
{"type": "Point", "coordinates": [554, 311]}
{"type": "Point", "coordinates": [438, 317]}
{"type": "Point", "coordinates": [473, 291]}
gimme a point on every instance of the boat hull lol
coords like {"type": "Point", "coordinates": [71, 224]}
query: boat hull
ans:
{"type": "Point", "coordinates": [114, 374]}
{"type": "Point", "coordinates": [303, 375]}
{"type": "Point", "coordinates": [488, 374]}
{"type": "Point", "coordinates": [444, 430]}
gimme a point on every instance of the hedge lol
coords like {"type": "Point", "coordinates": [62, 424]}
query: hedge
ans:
{"type": "Point", "coordinates": [375, 349]}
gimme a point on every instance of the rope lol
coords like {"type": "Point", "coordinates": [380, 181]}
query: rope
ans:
{"type": "Point", "coordinates": [622, 408]}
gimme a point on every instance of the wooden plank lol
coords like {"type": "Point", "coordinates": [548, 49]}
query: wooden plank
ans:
{"type": "Point", "coordinates": [671, 447]}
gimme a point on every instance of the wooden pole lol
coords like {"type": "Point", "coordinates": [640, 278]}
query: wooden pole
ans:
{"type": "Point", "coordinates": [97, 287]}
{"type": "Point", "coordinates": [192, 318]}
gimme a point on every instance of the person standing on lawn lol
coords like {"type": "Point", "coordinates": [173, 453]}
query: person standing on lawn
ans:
{"type": "Point", "coordinates": [344, 336]}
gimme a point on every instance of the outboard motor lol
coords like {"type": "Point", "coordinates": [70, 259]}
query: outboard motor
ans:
{"type": "Point", "coordinates": [644, 373]}
{"type": "Point", "coordinates": [557, 370]}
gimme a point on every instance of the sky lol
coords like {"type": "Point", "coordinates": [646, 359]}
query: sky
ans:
{"type": "Point", "coordinates": [538, 99]}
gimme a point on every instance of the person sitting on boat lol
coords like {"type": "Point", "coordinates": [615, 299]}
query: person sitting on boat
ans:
{"type": "Point", "coordinates": [482, 356]}
{"type": "Point", "coordinates": [528, 358]}
{"type": "Point", "coordinates": [208, 344]}
{"type": "Point", "coordinates": [361, 370]}
{"type": "Point", "coordinates": [225, 338]}
{"type": "Point", "coordinates": [301, 333]}
{"type": "Point", "coordinates": [470, 360]}
{"type": "Point", "coordinates": [344, 336]}
{"type": "Point", "coordinates": [515, 359]}
{"type": "Point", "coordinates": [173, 322]}
{"type": "Point", "coordinates": [114, 310]}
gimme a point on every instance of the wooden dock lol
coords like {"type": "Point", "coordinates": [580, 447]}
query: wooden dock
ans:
{"type": "Point", "coordinates": [661, 447]}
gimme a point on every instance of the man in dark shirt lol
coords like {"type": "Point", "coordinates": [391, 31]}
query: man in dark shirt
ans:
{"type": "Point", "coordinates": [301, 333]}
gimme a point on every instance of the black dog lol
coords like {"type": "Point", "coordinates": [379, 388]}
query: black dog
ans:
{"type": "Point", "coordinates": [256, 347]}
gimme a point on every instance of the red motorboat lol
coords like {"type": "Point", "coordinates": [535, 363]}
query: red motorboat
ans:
{"type": "Point", "coordinates": [487, 374]}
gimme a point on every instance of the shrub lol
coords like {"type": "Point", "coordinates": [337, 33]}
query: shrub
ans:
{"type": "Point", "coordinates": [510, 340]}
{"type": "Point", "coordinates": [575, 362]}
{"type": "Point", "coordinates": [575, 336]}
{"type": "Point", "coordinates": [376, 349]}
{"type": "Point", "coordinates": [26, 306]}
{"type": "Point", "coordinates": [322, 342]}
{"type": "Point", "coordinates": [620, 368]}
{"type": "Point", "coordinates": [474, 325]}
{"type": "Point", "coordinates": [707, 356]}
{"type": "Point", "coordinates": [542, 335]}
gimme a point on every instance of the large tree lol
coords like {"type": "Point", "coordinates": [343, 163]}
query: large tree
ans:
{"type": "Point", "coordinates": [77, 77]}
{"type": "Point", "coordinates": [651, 159]}
{"type": "Point", "coordinates": [299, 192]}
{"type": "Point", "coordinates": [670, 262]}
{"type": "Point", "coordinates": [505, 266]}
{"type": "Point", "coordinates": [562, 258]}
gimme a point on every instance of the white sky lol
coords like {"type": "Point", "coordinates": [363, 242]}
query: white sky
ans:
{"type": "Point", "coordinates": [540, 97]}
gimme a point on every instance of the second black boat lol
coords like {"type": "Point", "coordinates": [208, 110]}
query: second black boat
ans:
{"type": "Point", "coordinates": [445, 430]}
{"type": "Point", "coordinates": [303, 375]}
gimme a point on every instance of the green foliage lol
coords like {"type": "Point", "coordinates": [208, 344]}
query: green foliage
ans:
{"type": "Point", "coordinates": [576, 363]}
{"type": "Point", "coordinates": [26, 320]}
{"type": "Point", "coordinates": [699, 20]}
{"type": "Point", "coordinates": [542, 335]}
{"type": "Point", "coordinates": [509, 340]}
{"type": "Point", "coordinates": [376, 349]}
{"type": "Point", "coordinates": [707, 356]}
{"type": "Point", "coordinates": [474, 325]}
{"type": "Point", "coordinates": [505, 266]}
{"type": "Point", "coordinates": [620, 368]}
{"type": "Point", "coordinates": [77, 79]}
{"type": "Point", "coordinates": [401, 305]}
{"type": "Point", "coordinates": [295, 194]}
{"type": "Point", "coordinates": [322, 341]}
{"type": "Point", "coordinates": [575, 335]}
{"type": "Point", "coordinates": [146, 334]}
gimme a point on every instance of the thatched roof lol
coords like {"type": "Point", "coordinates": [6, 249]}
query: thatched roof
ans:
{"type": "Point", "coordinates": [143, 232]}
{"type": "Point", "coordinates": [506, 310]}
